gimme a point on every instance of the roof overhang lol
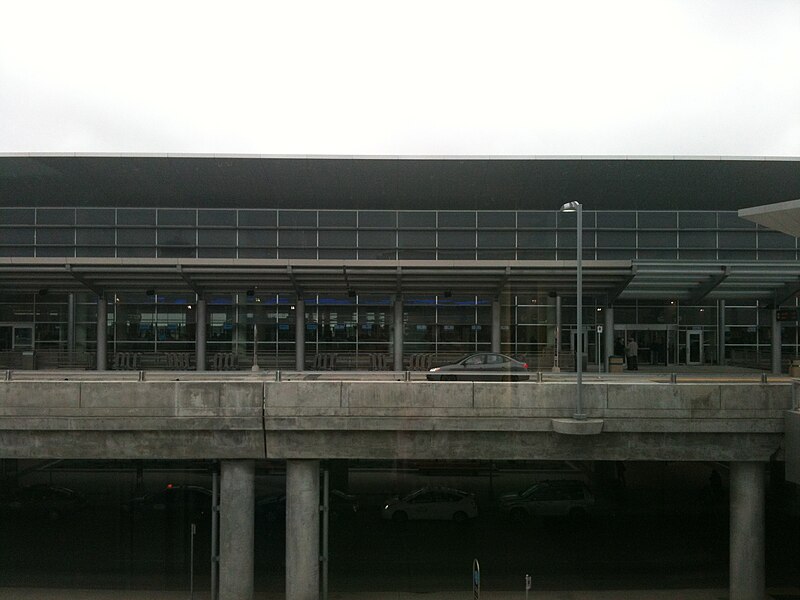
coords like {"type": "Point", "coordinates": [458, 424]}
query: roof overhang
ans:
{"type": "Point", "coordinates": [783, 216]}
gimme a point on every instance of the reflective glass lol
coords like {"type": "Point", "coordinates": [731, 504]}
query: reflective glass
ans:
{"type": "Point", "coordinates": [136, 216]}
{"type": "Point", "coordinates": [657, 219]}
{"type": "Point", "coordinates": [177, 217]}
{"type": "Point", "coordinates": [456, 239]}
{"type": "Point", "coordinates": [417, 219]}
{"type": "Point", "coordinates": [95, 216]}
{"type": "Point", "coordinates": [177, 237]}
{"type": "Point", "coordinates": [497, 219]}
{"type": "Point", "coordinates": [55, 216]}
{"type": "Point", "coordinates": [216, 218]}
{"type": "Point", "coordinates": [136, 237]}
{"type": "Point", "coordinates": [417, 239]}
{"type": "Point", "coordinates": [377, 218]}
{"type": "Point", "coordinates": [297, 218]}
{"type": "Point", "coordinates": [258, 218]}
{"type": "Point", "coordinates": [497, 239]}
{"type": "Point", "coordinates": [337, 218]}
{"type": "Point", "coordinates": [456, 219]}
{"type": "Point", "coordinates": [55, 236]}
{"type": "Point", "coordinates": [376, 239]}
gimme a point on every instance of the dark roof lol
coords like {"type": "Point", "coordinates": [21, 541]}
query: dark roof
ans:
{"type": "Point", "coordinates": [396, 183]}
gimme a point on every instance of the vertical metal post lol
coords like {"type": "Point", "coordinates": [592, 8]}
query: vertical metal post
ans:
{"type": "Point", "coordinates": [720, 332]}
{"type": "Point", "coordinates": [496, 325]}
{"type": "Point", "coordinates": [191, 562]}
{"type": "Point", "coordinates": [214, 532]}
{"type": "Point", "coordinates": [557, 352]}
{"type": "Point", "coordinates": [325, 530]}
{"type": "Point", "coordinates": [579, 414]}
{"type": "Point", "coordinates": [398, 333]}
{"type": "Point", "coordinates": [300, 334]}
{"type": "Point", "coordinates": [776, 343]}
{"type": "Point", "coordinates": [102, 332]}
{"type": "Point", "coordinates": [71, 326]}
{"type": "Point", "coordinates": [255, 346]}
{"type": "Point", "coordinates": [200, 334]}
{"type": "Point", "coordinates": [608, 331]}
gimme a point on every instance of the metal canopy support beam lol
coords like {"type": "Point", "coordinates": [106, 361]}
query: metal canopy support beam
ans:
{"type": "Point", "coordinates": [300, 334]}
{"type": "Point", "coordinates": [102, 332]}
{"type": "Point", "coordinates": [80, 279]}
{"type": "Point", "coordinates": [708, 286]}
{"type": "Point", "coordinates": [297, 289]}
{"type": "Point", "coordinates": [785, 293]}
{"type": "Point", "coordinates": [614, 292]}
{"type": "Point", "coordinates": [197, 290]}
{"type": "Point", "coordinates": [200, 334]}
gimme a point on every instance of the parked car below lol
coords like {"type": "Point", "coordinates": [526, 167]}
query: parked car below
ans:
{"type": "Point", "coordinates": [432, 503]}
{"type": "Point", "coordinates": [194, 502]}
{"type": "Point", "coordinates": [43, 500]}
{"type": "Point", "coordinates": [560, 497]}
{"type": "Point", "coordinates": [484, 366]}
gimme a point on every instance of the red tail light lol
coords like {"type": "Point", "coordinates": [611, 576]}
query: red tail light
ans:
{"type": "Point", "coordinates": [524, 365]}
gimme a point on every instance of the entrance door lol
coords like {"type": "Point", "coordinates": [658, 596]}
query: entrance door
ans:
{"type": "Point", "coordinates": [16, 337]}
{"type": "Point", "coordinates": [694, 347]}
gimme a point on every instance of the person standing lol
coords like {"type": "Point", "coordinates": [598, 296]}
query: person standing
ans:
{"type": "Point", "coordinates": [632, 350]}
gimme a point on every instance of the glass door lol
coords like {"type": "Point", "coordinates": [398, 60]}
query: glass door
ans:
{"type": "Point", "coordinates": [694, 347]}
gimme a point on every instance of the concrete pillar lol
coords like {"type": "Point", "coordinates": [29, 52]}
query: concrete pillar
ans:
{"type": "Point", "coordinates": [496, 325]}
{"type": "Point", "coordinates": [720, 332]}
{"type": "Point", "coordinates": [102, 332]}
{"type": "Point", "coordinates": [776, 343]}
{"type": "Point", "coordinates": [71, 323]}
{"type": "Point", "coordinates": [236, 527]}
{"type": "Point", "coordinates": [201, 328]}
{"type": "Point", "coordinates": [557, 349]}
{"type": "Point", "coordinates": [398, 333]}
{"type": "Point", "coordinates": [302, 530]}
{"type": "Point", "coordinates": [300, 334]}
{"type": "Point", "coordinates": [747, 531]}
{"type": "Point", "coordinates": [608, 330]}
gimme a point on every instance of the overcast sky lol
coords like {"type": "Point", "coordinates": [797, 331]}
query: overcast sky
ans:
{"type": "Point", "coordinates": [564, 77]}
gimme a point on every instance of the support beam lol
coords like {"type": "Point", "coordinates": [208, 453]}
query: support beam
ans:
{"type": "Point", "coordinates": [302, 530]}
{"type": "Point", "coordinates": [398, 333]}
{"type": "Point", "coordinates": [300, 334]}
{"type": "Point", "coordinates": [747, 531]}
{"type": "Point", "coordinates": [201, 329]}
{"type": "Point", "coordinates": [557, 349]}
{"type": "Point", "coordinates": [705, 288]}
{"type": "Point", "coordinates": [786, 293]}
{"type": "Point", "coordinates": [614, 293]}
{"type": "Point", "coordinates": [776, 343]}
{"type": "Point", "coordinates": [102, 332]}
{"type": "Point", "coordinates": [236, 529]}
{"type": "Point", "coordinates": [720, 332]}
{"type": "Point", "coordinates": [496, 325]}
{"type": "Point", "coordinates": [71, 324]}
{"type": "Point", "coordinates": [608, 332]}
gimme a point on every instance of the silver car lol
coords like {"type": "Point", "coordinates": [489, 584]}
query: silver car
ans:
{"type": "Point", "coordinates": [484, 366]}
{"type": "Point", "coordinates": [432, 503]}
{"type": "Point", "coordinates": [562, 497]}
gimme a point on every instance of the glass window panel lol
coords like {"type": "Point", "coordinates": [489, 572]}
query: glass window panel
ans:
{"type": "Point", "coordinates": [136, 237]}
{"type": "Point", "coordinates": [737, 239]}
{"type": "Point", "coordinates": [774, 239]}
{"type": "Point", "coordinates": [55, 236]}
{"type": "Point", "coordinates": [254, 238]}
{"type": "Point", "coordinates": [129, 252]}
{"type": "Point", "coordinates": [217, 218]}
{"type": "Point", "coordinates": [338, 253]}
{"type": "Point", "coordinates": [297, 218]}
{"type": "Point", "coordinates": [55, 251]}
{"type": "Point", "coordinates": [569, 220]}
{"type": "Point", "coordinates": [697, 220]}
{"type": "Point", "coordinates": [417, 239]}
{"type": "Point", "coordinates": [55, 216]}
{"type": "Point", "coordinates": [176, 237]}
{"type": "Point", "coordinates": [456, 254]}
{"type": "Point", "coordinates": [776, 254]}
{"type": "Point", "coordinates": [698, 239]}
{"type": "Point", "coordinates": [496, 254]}
{"type": "Point", "coordinates": [16, 235]}
{"type": "Point", "coordinates": [258, 218]}
{"type": "Point", "coordinates": [337, 218]}
{"type": "Point", "coordinates": [616, 239]}
{"type": "Point", "coordinates": [697, 254]}
{"type": "Point", "coordinates": [95, 216]}
{"type": "Point", "coordinates": [175, 252]}
{"type": "Point", "coordinates": [136, 216]}
{"type": "Point", "coordinates": [537, 239]}
{"type": "Point", "coordinates": [310, 253]}
{"type": "Point", "coordinates": [257, 252]}
{"type": "Point", "coordinates": [216, 237]}
{"type": "Point", "coordinates": [624, 219]}
{"type": "Point", "coordinates": [740, 315]}
{"type": "Point", "coordinates": [603, 254]}
{"type": "Point", "coordinates": [497, 219]}
{"type": "Point", "coordinates": [94, 251]}
{"type": "Point", "coordinates": [456, 239]}
{"type": "Point", "coordinates": [456, 219]}
{"type": "Point", "coordinates": [657, 254]}
{"type": "Point", "coordinates": [416, 255]}
{"type": "Point", "coordinates": [536, 254]}
{"type": "Point", "coordinates": [377, 218]}
{"type": "Point", "coordinates": [497, 239]}
{"type": "Point", "coordinates": [417, 219]}
{"type": "Point", "coordinates": [731, 220]}
{"type": "Point", "coordinates": [95, 236]}
{"type": "Point", "coordinates": [337, 239]}
{"type": "Point", "coordinates": [539, 218]}
{"type": "Point", "coordinates": [376, 239]}
{"type": "Point", "coordinates": [17, 216]}
{"type": "Point", "coordinates": [177, 217]}
{"type": "Point", "coordinates": [723, 254]}
{"type": "Point", "coordinates": [298, 238]}
{"type": "Point", "coordinates": [657, 220]}
{"type": "Point", "coordinates": [567, 239]}
{"type": "Point", "coordinates": [658, 239]}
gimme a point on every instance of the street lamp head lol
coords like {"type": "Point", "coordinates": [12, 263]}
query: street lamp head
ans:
{"type": "Point", "coordinates": [570, 207]}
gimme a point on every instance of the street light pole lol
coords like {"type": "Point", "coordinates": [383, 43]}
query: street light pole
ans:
{"type": "Point", "coordinates": [576, 207]}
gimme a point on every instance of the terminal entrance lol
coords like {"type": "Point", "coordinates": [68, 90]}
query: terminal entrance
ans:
{"type": "Point", "coordinates": [16, 337]}
{"type": "Point", "coordinates": [657, 343]}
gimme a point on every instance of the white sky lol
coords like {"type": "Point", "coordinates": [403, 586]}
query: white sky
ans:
{"type": "Point", "coordinates": [564, 77]}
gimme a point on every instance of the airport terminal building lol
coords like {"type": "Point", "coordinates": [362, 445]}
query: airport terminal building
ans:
{"type": "Point", "coordinates": [379, 263]}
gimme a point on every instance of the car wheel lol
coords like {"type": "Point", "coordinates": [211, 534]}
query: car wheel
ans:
{"type": "Point", "coordinates": [400, 517]}
{"type": "Point", "coordinates": [460, 517]}
{"type": "Point", "coordinates": [518, 515]}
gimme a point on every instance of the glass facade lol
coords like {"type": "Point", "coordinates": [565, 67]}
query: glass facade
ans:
{"type": "Point", "coordinates": [359, 326]}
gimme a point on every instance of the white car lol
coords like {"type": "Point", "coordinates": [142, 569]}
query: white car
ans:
{"type": "Point", "coordinates": [432, 503]}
